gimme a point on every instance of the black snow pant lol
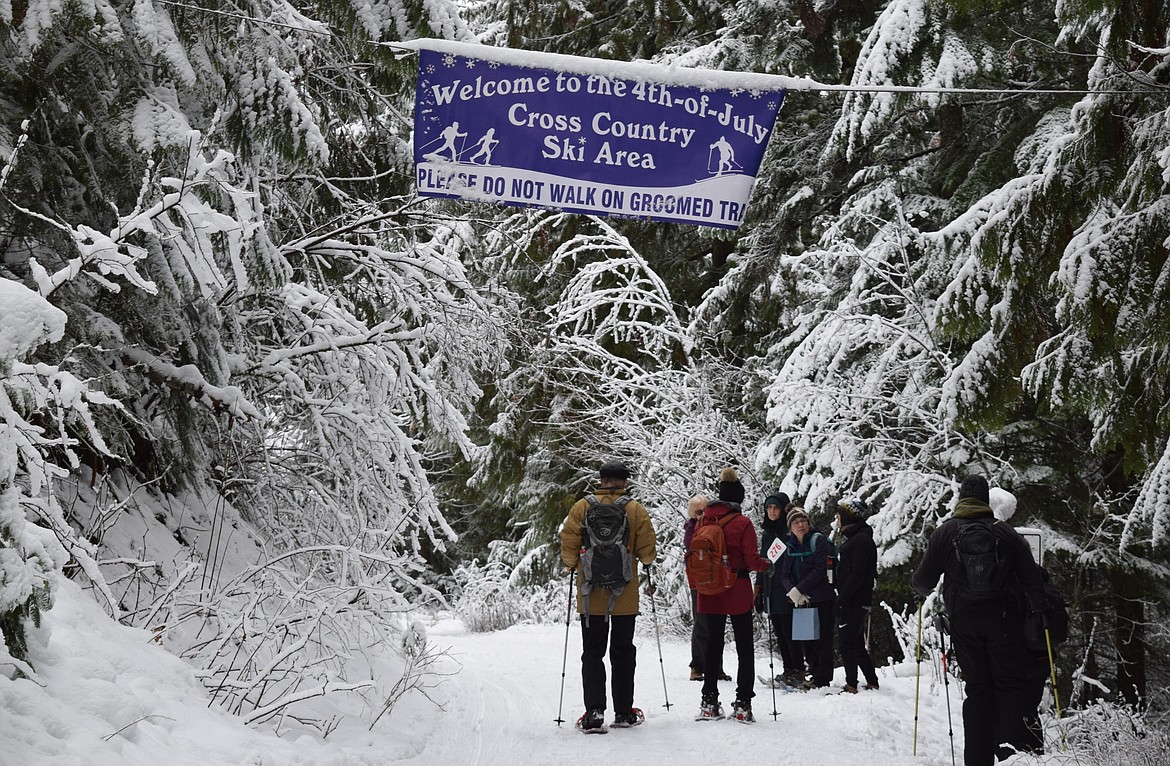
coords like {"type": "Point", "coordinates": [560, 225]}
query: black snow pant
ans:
{"type": "Point", "coordinates": [745, 651]}
{"type": "Point", "coordinates": [851, 623]}
{"type": "Point", "coordinates": [698, 635]}
{"type": "Point", "coordinates": [791, 652]}
{"type": "Point", "coordinates": [618, 632]}
{"type": "Point", "coordinates": [1000, 676]}
{"type": "Point", "coordinates": [819, 653]}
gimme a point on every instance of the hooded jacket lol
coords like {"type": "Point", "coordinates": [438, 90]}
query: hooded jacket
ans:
{"type": "Point", "coordinates": [742, 555]}
{"type": "Point", "coordinates": [643, 547]}
{"type": "Point", "coordinates": [771, 587]}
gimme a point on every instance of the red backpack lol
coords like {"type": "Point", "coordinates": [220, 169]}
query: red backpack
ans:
{"type": "Point", "coordinates": [707, 569]}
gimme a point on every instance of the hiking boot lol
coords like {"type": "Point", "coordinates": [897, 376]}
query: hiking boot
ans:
{"type": "Point", "coordinates": [625, 720]}
{"type": "Point", "coordinates": [849, 688]}
{"type": "Point", "coordinates": [710, 710]}
{"type": "Point", "coordinates": [793, 678]}
{"type": "Point", "coordinates": [592, 720]}
{"type": "Point", "coordinates": [696, 675]}
{"type": "Point", "coordinates": [723, 676]}
{"type": "Point", "coordinates": [872, 685]}
{"type": "Point", "coordinates": [742, 711]}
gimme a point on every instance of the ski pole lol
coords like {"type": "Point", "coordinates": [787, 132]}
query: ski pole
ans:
{"type": "Point", "coordinates": [565, 660]}
{"type": "Point", "coordinates": [917, 678]}
{"type": "Point", "coordinates": [771, 660]}
{"type": "Point", "coordinates": [657, 636]}
{"type": "Point", "coordinates": [1055, 696]}
{"type": "Point", "coordinates": [942, 641]}
{"type": "Point", "coordinates": [868, 618]}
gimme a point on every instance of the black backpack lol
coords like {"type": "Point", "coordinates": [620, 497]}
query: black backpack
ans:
{"type": "Point", "coordinates": [605, 559]}
{"type": "Point", "coordinates": [977, 547]}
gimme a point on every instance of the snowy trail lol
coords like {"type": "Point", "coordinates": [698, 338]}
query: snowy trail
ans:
{"type": "Point", "coordinates": [503, 702]}
{"type": "Point", "coordinates": [107, 695]}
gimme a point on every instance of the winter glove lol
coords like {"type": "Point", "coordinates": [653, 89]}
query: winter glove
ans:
{"type": "Point", "coordinates": [797, 598]}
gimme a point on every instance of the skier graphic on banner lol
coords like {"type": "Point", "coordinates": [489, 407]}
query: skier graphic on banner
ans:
{"type": "Point", "coordinates": [450, 135]}
{"type": "Point", "coordinates": [486, 145]}
{"type": "Point", "coordinates": [726, 155]}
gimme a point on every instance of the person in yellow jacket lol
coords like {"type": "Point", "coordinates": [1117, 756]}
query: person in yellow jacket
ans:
{"type": "Point", "coordinates": [608, 613]}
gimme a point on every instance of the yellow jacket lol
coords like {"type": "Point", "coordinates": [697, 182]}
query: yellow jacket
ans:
{"type": "Point", "coordinates": [643, 547]}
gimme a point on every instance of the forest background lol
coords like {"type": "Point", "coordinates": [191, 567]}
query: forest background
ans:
{"type": "Point", "coordinates": [226, 319]}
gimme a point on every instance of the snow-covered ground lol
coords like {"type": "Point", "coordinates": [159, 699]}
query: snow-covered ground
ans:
{"type": "Point", "coordinates": [106, 695]}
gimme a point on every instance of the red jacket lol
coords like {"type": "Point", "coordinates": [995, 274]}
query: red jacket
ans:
{"type": "Point", "coordinates": [743, 554]}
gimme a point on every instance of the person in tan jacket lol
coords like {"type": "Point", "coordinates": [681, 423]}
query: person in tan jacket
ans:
{"type": "Point", "coordinates": [608, 614]}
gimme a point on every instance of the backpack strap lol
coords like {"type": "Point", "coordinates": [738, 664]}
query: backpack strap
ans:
{"type": "Point", "coordinates": [722, 521]}
{"type": "Point", "coordinates": [585, 585]}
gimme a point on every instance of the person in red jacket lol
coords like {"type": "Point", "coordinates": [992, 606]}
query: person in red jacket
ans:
{"type": "Point", "coordinates": [743, 555]}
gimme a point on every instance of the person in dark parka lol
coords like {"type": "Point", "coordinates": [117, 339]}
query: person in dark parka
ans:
{"type": "Point", "coordinates": [736, 603]}
{"type": "Point", "coordinates": [856, 575]}
{"type": "Point", "coordinates": [804, 573]}
{"type": "Point", "coordinates": [988, 632]}
{"type": "Point", "coordinates": [771, 591]}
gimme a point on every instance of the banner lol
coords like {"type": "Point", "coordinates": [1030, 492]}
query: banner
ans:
{"type": "Point", "coordinates": [588, 142]}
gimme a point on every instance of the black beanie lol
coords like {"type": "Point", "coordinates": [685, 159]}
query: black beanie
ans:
{"type": "Point", "coordinates": [614, 470]}
{"type": "Point", "coordinates": [730, 490]}
{"type": "Point", "coordinates": [777, 498]}
{"type": "Point", "coordinates": [975, 486]}
{"type": "Point", "coordinates": [852, 510]}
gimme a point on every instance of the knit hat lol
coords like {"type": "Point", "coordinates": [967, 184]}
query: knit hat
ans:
{"type": "Point", "coordinates": [975, 486]}
{"type": "Point", "coordinates": [614, 470]}
{"type": "Point", "coordinates": [778, 499]}
{"type": "Point", "coordinates": [797, 513]}
{"type": "Point", "coordinates": [852, 511]}
{"type": "Point", "coordinates": [730, 490]}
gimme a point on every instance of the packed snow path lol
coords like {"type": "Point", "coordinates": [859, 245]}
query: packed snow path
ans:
{"type": "Point", "coordinates": [106, 695]}
{"type": "Point", "coordinates": [509, 686]}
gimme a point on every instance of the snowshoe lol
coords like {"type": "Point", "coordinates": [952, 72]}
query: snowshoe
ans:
{"type": "Point", "coordinates": [633, 718]}
{"type": "Point", "coordinates": [592, 722]}
{"type": "Point", "coordinates": [742, 712]}
{"type": "Point", "coordinates": [710, 711]}
{"type": "Point", "coordinates": [776, 683]}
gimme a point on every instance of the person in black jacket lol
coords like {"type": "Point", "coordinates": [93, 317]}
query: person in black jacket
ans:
{"type": "Point", "coordinates": [987, 627]}
{"type": "Point", "coordinates": [770, 592]}
{"type": "Point", "coordinates": [856, 573]}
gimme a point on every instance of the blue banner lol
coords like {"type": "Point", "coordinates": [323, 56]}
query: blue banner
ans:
{"type": "Point", "coordinates": [588, 143]}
